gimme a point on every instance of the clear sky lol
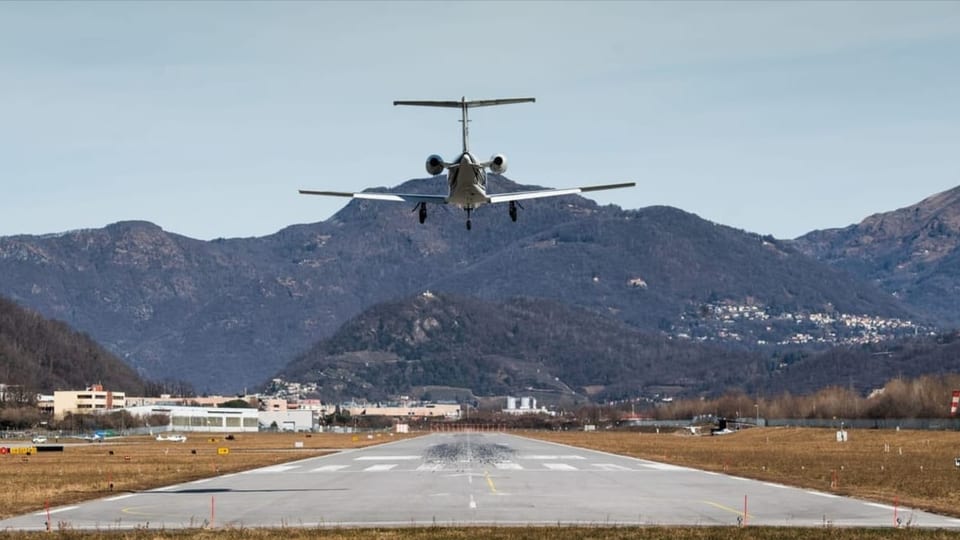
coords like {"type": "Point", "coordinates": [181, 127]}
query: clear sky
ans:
{"type": "Point", "coordinates": [205, 117]}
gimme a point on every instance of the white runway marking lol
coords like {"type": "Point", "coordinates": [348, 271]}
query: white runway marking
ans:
{"type": "Point", "coordinates": [552, 458]}
{"type": "Point", "coordinates": [274, 469]}
{"type": "Point", "coordinates": [880, 506]}
{"type": "Point", "coordinates": [55, 510]}
{"type": "Point", "coordinates": [611, 467]}
{"type": "Point", "coordinates": [330, 468]}
{"type": "Point", "coordinates": [663, 467]}
{"type": "Point", "coordinates": [559, 467]}
{"type": "Point", "coordinates": [120, 497]}
{"type": "Point", "coordinates": [508, 466]}
{"type": "Point", "coordinates": [381, 467]}
{"type": "Point", "coordinates": [430, 467]}
{"type": "Point", "coordinates": [386, 458]}
{"type": "Point", "coordinates": [473, 503]}
{"type": "Point", "coordinates": [821, 494]}
{"type": "Point", "coordinates": [781, 486]}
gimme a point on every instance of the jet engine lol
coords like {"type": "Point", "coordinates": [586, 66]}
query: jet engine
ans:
{"type": "Point", "coordinates": [498, 164]}
{"type": "Point", "coordinates": [434, 165]}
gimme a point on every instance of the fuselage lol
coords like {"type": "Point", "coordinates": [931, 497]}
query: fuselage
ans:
{"type": "Point", "coordinates": [467, 182]}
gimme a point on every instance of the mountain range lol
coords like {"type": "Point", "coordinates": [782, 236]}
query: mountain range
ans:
{"type": "Point", "coordinates": [231, 313]}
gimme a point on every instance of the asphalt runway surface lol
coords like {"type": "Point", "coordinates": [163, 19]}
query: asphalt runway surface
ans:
{"type": "Point", "coordinates": [474, 479]}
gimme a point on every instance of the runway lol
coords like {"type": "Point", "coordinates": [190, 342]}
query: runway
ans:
{"type": "Point", "coordinates": [473, 479]}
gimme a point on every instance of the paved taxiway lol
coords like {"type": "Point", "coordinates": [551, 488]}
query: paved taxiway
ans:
{"type": "Point", "coordinates": [473, 478]}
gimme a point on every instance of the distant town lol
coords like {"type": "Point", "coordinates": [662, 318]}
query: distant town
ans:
{"type": "Point", "coordinates": [763, 325]}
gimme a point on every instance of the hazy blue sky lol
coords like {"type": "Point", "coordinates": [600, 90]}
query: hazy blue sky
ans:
{"type": "Point", "coordinates": [205, 118]}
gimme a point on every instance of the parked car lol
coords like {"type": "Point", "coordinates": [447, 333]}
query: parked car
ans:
{"type": "Point", "coordinates": [39, 439]}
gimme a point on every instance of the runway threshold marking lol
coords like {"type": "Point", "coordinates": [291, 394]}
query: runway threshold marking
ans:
{"type": "Point", "coordinates": [559, 467]}
{"type": "Point", "coordinates": [611, 467]}
{"type": "Point", "coordinates": [385, 458]}
{"type": "Point", "coordinates": [381, 467]}
{"type": "Point", "coordinates": [330, 468]}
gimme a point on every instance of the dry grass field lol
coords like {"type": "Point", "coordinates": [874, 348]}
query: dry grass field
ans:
{"type": "Point", "coordinates": [86, 471]}
{"type": "Point", "coordinates": [498, 533]}
{"type": "Point", "coordinates": [912, 468]}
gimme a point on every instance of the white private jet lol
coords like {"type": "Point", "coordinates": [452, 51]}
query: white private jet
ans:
{"type": "Point", "coordinates": [466, 177]}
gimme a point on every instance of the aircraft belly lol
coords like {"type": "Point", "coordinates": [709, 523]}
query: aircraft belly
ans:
{"type": "Point", "coordinates": [470, 193]}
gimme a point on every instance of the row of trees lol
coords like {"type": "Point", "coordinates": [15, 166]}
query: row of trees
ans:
{"type": "Point", "coordinates": [925, 397]}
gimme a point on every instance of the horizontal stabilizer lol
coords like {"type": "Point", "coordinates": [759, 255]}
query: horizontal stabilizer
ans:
{"type": "Point", "coordinates": [469, 104]}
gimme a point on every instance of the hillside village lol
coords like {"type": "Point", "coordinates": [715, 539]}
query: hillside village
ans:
{"type": "Point", "coordinates": [764, 325]}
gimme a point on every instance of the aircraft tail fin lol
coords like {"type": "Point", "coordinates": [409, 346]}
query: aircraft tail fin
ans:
{"type": "Point", "coordinates": [463, 105]}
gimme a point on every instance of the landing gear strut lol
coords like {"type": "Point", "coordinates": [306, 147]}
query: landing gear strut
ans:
{"type": "Point", "coordinates": [469, 224]}
{"type": "Point", "coordinates": [423, 211]}
{"type": "Point", "coordinates": [513, 211]}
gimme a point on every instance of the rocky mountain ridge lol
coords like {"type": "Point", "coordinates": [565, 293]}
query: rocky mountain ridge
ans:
{"type": "Point", "coordinates": [229, 313]}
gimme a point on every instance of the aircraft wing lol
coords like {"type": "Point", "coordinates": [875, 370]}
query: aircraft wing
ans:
{"type": "Point", "coordinates": [395, 197]}
{"type": "Point", "coordinates": [524, 195]}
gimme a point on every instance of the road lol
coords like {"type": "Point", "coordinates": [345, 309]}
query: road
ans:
{"type": "Point", "coordinates": [474, 479]}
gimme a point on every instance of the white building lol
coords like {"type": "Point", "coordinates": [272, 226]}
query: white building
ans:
{"type": "Point", "coordinates": [204, 419]}
{"type": "Point", "coordinates": [287, 420]}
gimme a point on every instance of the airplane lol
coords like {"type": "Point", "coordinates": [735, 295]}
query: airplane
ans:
{"type": "Point", "coordinates": [466, 176]}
